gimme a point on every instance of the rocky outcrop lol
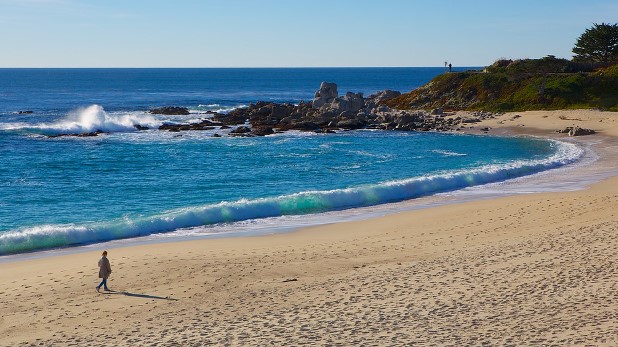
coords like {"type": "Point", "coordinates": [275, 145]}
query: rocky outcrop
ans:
{"type": "Point", "coordinates": [329, 112]}
{"type": "Point", "coordinates": [170, 110]}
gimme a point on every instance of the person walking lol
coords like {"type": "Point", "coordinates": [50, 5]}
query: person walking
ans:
{"type": "Point", "coordinates": [105, 269]}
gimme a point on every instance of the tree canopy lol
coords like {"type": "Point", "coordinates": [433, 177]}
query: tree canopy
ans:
{"type": "Point", "coordinates": [598, 44]}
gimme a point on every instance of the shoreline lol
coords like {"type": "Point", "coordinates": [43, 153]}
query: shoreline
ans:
{"type": "Point", "coordinates": [292, 223]}
{"type": "Point", "coordinates": [522, 269]}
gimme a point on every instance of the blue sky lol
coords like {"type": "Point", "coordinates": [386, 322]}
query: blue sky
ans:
{"type": "Point", "coordinates": [282, 33]}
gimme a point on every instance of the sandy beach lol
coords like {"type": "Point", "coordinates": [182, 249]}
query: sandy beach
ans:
{"type": "Point", "coordinates": [533, 269]}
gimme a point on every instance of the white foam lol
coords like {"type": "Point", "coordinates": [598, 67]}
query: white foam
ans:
{"type": "Point", "coordinates": [448, 153]}
{"type": "Point", "coordinates": [89, 119]}
{"type": "Point", "coordinates": [218, 108]}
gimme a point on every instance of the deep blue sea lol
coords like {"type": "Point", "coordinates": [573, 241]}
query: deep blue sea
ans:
{"type": "Point", "coordinates": [67, 191]}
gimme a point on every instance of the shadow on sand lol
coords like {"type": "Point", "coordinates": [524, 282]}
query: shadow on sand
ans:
{"type": "Point", "coordinates": [145, 296]}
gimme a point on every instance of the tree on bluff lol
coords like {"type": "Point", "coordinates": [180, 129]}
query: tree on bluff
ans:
{"type": "Point", "coordinates": [598, 44]}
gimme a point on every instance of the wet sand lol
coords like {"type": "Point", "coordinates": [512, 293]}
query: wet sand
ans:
{"type": "Point", "coordinates": [534, 269]}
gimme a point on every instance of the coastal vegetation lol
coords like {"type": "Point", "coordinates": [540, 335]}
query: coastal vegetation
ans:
{"type": "Point", "coordinates": [598, 44]}
{"type": "Point", "coordinates": [590, 80]}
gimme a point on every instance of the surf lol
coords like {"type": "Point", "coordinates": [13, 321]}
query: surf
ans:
{"type": "Point", "coordinates": [85, 120]}
{"type": "Point", "coordinates": [307, 202]}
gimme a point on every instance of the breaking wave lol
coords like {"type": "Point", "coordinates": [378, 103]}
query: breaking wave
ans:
{"type": "Point", "coordinates": [87, 120]}
{"type": "Point", "coordinates": [53, 236]}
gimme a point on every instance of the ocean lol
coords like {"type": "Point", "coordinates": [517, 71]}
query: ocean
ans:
{"type": "Point", "coordinates": [59, 192]}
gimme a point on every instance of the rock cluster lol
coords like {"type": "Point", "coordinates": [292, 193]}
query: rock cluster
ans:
{"type": "Point", "coordinates": [576, 131]}
{"type": "Point", "coordinates": [328, 112]}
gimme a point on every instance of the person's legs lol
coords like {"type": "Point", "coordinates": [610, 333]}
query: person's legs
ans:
{"type": "Point", "coordinates": [103, 283]}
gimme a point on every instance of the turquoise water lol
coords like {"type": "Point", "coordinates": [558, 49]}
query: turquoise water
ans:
{"type": "Point", "coordinates": [66, 191]}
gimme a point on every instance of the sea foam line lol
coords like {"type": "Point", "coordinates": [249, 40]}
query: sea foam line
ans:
{"type": "Point", "coordinates": [52, 236]}
{"type": "Point", "coordinates": [218, 108]}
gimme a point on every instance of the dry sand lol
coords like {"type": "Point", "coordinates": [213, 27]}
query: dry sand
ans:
{"type": "Point", "coordinates": [537, 269]}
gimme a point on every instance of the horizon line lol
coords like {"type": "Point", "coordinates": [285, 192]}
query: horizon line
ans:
{"type": "Point", "coordinates": [234, 67]}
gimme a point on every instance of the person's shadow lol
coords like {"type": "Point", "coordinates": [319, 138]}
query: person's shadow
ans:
{"type": "Point", "coordinates": [145, 296]}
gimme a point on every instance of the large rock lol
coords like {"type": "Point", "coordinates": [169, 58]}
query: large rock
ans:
{"type": "Point", "coordinates": [350, 124]}
{"type": "Point", "coordinates": [241, 130]}
{"type": "Point", "coordinates": [237, 116]}
{"type": "Point", "coordinates": [325, 95]}
{"type": "Point", "coordinates": [170, 110]}
{"type": "Point", "coordinates": [262, 131]}
{"type": "Point", "coordinates": [327, 100]}
{"type": "Point", "coordinates": [354, 102]}
{"type": "Point", "coordinates": [302, 125]}
{"type": "Point", "coordinates": [577, 131]}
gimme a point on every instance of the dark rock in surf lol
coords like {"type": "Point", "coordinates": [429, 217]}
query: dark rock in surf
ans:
{"type": "Point", "coordinates": [241, 130]}
{"type": "Point", "coordinates": [262, 131]}
{"type": "Point", "coordinates": [169, 126]}
{"type": "Point", "coordinates": [234, 117]}
{"type": "Point", "coordinates": [90, 134]}
{"type": "Point", "coordinates": [170, 110]}
{"type": "Point", "coordinates": [203, 125]}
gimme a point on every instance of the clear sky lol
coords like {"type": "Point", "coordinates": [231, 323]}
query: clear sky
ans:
{"type": "Point", "coordinates": [282, 33]}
